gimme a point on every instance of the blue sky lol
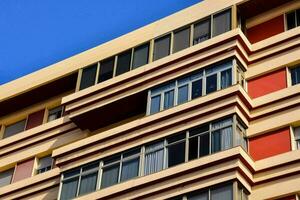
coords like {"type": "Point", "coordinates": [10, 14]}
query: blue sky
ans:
{"type": "Point", "coordinates": [38, 33]}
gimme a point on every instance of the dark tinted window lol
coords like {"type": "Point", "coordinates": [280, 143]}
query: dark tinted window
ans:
{"type": "Point", "coordinates": [221, 22]}
{"type": "Point", "coordinates": [161, 47]}
{"type": "Point", "coordinates": [155, 104]}
{"type": "Point", "coordinates": [193, 148]}
{"type": "Point", "coordinates": [181, 39]}
{"type": "Point", "coordinates": [106, 69]}
{"type": "Point", "coordinates": [222, 193]}
{"type": "Point", "coordinates": [197, 89]}
{"type": "Point", "coordinates": [211, 83]}
{"type": "Point", "coordinates": [176, 150]}
{"type": "Point", "coordinates": [291, 20]}
{"type": "Point", "coordinates": [295, 73]}
{"type": "Point", "coordinates": [140, 56]}
{"type": "Point", "coordinates": [204, 145]}
{"type": "Point", "coordinates": [14, 128]}
{"type": "Point", "coordinates": [226, 78]}
{"type": "Point", "coordinates": [182, 94]}
{"type": "Point", "coordinates": [69, 188]}
{"type": "Point", "coordinates": [198, 196]}
{"type": "Point", "coordinates": [169, 99]}
{"type": "Point", "coordinates": [123, 63]}
{"type": "Point", "coordinates": [88, 183]}
{"type": "Point", "coordinates": [88, 77]}
{"type": "Point", "coordinates": [201, 31]}
{"type": "Point", "coordinates": [110, 176]}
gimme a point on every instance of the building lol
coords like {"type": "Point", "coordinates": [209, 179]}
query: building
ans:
{"type": "Point", "coordinates": [203, 104]}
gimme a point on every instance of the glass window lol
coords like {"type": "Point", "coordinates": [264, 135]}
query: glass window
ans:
{"type": "Point", "coordinates": [291, 20]}
{"type": "Point", "coordinates": [183, 94]}
{"type": "Point", "coordinates": [140, 56]}
{"type": "Point", "coordinates": [201, 31]}
{"type": "Point", "coordinates": [161, 47]}
{"type": "Point", "coordinates": [55, 113]}
{"type": "Point", "coordinates": [88, 178]}
{"type": "Point", "coordinates": [44, 164]}
{"type": "Point", "coordinates": [169, 99]}
{"type": "Point", "coordinates": [123, 63]}
{"type": "Point", "coordinates": [295, 73]}
{"type": "Point", "coordinates": [88, 76]}
{"type": "Point", "coordinates": [130, 165]}
{"type": "Point", "coordinates": [198, 196]}
{"type": "Point", "coordinates": [222, 193]}
{"type": "Point", "coordinates": [88, 183]}
{"type": "Point", "coordinates": [110, 172]}
{"type": "Point", "coordinates": [154, 158]}
{"type": "Point", "coordinates": [155, 104]}
{"type": "Point", "coordinates": [176, 150]}
{"type": "Point", "coordinates": [297, 136]}
{"type": "Point", "coordinates": [181, 39]}
{"type": "Point", "coordinates": [222, 22]}
{"type": "Point", "coordinates": [199, 142]}
{"type": "Point", "coordinates": [106, 69]}
{"type": "Point", "coordinates": [211, 83]}
{"type": "Point", "coordinates": [226, 78]}
{"type": "Point", "coordinates": [197, 89]}
{"type": "Point", "coordinates": [6, 177]}
{"type": "Point", "coordinates": [69, 189]}
{"type": "Point", "coordinates": [222, 135]}
{"type": "Point", "coordinates": [14, 128]}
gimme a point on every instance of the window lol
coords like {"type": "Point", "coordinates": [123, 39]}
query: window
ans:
{"type": "Point", "coordinates": [201, 31]}
{"type": "Point", "coordinates": [295, 75]}
{"type": "Point", "coordinates": [221, 22]}
{"type": "Point", "coordinates": [123, 63]}
{"type": "Point", "coordinates": [14, 128]}
{"type": "Point", "coordinates": [106, 69]}
{"type": "Point", "coordinates": [190, 87]}
{"type": "Point", "coordinates": [55, 113]}
{"type": "Point", "coordinates": [293, 19]}
{"type": "Point", "coordinates": [120, 168]}
{"type": "Point", "coordinates": [221, 135]}
{"type": "Point", "coordinates": [44, 164]}
{"type": "Point", "coordinates": [176, 150]}
{"type": "Point", "coordinates": [88, 76]}
{"type": "Point", "coordinates": [297, 137]}
{"type": "Point", "coordinates": [222, 193]}
{"type": "Point", "coordinates": [70, 184]}
{"type": "Point", "coordinates": [162, 47]}
{"type": "Point", "coordinates": [6, 177]}
{"type": "Point", "coordinates": [154, 158]}
{"type": "Point", "coordinates": [199, 142]}
{"type": "Point", "coordinates": [140, 56]}
{"type": "Point", "coordinates": [150, 158]}
{"type": "Point", "coordinates": [181, 39]}
{"type": "Point", "coordinates": [79, 181]}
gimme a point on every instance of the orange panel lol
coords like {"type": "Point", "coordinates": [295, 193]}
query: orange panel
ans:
{"type": "Point", "coordinates": [23, 170]}
{"type": "Point", "coordinates": [270, 144]}
{"type": "Point", "coordinates": [266, 29]}
{"type": "Point", "coordinates": [35, 119]}
{"type": "Point", "coordinates": [267, 83]}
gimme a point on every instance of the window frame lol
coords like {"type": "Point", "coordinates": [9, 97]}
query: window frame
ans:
{"type": "Point", "coordinates": [199, 74]}
{"type": "Point", "coordinates": [140, 153]}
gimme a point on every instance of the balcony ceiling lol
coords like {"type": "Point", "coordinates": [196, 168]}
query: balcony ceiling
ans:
{"type": "Point", "coordinates": [255, 7]}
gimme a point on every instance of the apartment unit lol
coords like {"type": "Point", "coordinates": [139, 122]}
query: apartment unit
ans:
{"type": "Point", "coordinates": [201, 105]}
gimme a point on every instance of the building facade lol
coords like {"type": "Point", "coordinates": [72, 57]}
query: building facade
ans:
{"type": "Point", "coordinates": [201, 105]}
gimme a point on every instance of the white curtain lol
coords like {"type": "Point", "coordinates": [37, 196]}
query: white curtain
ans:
{"type": "Point", "coordinates": [225, 131]}
{"type": "Point", "coordinates": [154, 158]}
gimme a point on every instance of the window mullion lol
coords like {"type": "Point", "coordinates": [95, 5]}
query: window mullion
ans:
{"type": "Point", "coordinates": [120, 169]}
{"type": "Point", "coordinates": [100, 172]}
{"type": "Point", "coordinates": [79, 182]}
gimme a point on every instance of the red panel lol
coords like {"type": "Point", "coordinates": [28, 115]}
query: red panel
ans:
{"type": "Point", "coordinates": [271, 144]}
{"type": "Point", "coordinates": [293, 197]}
{"type": "Point", "coordinates": [266, 29]}
{"type": "Point", "coordinates": [267, 83]}
{"type": "Point", "coordinates": [23, 170]}
{"type": "Point", "coordinates": [35, 119]}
